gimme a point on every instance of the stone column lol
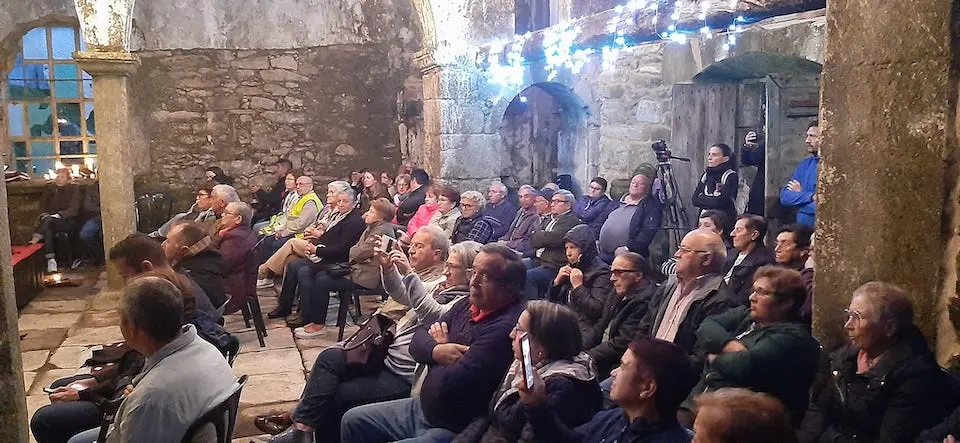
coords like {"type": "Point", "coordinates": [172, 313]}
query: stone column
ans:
{"type": "Point", "coordinates": [13, 400]}
{"type": "Point", "coordinates": [111, 72]}
{"type": "Point", "coordinates": [430, 72]}
{"type": "Point", "coordinates": [888, 164]}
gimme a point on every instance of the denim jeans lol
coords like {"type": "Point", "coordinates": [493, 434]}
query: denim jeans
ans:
{"type": "Point", "coordinates": [334, 388]}
{"type": "Point", "coordinates": [315, 288]}
{"type": "Point", "coordinates": [538, 282]}
{"type": "Point", "coordinates": [398, 421]}
{"type": "Point", "coordinates": [92, 238]}
{"type": "Point", "coordinates": [57, 422]}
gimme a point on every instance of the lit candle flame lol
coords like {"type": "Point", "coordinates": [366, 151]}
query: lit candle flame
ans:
{"type": "Point", "coordinates": [88, 162]}
{"type": "Point", "coordinates": [57, 278]}
{"type": "Point", "coordinates": [58, 165]}
{"type": "Point", "coordinates": [75, 170]}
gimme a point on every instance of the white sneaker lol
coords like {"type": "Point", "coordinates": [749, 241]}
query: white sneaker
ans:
{"type": "Point", "coordinates": [303, 334]}
{"type": "Point", "coordinates": [51, 265]}
{"type": "Point", "coordinates": [264, 283]}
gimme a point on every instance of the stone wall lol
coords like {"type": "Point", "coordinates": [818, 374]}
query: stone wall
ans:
{"type": "Point", "coordinates": [242, 110]}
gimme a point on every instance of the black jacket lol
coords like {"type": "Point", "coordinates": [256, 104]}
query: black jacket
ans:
{"type": "Point", "coordinates": [710, 182]}
{"type": "Point", "coordinates": [207, 269]}
{"type": "Point", "coordinates": [740, 284]}
{"type": "Point", "coordinates": [589, 299]}
{"type": "Point", "coordinates": [622, 315]}
{"type": "Point", "coordinates": [756, 157]}
{"type": "Point", "coordinates": [903, 394]}
{"type": "Point", "coordinates": [713, 302]}
{"type": "Point", "coordinates": [408, 207]}
{"type": "Point", "coordinates": [554, 254]}
{"type": "Point", "coordinates": [644, 225]}
{"type": "Point", "coordinates": [338, 240]}
{"type": "Point", "coordinates": [269, 202]}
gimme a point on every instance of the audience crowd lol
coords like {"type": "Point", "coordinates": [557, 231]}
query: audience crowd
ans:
{"type": "Point", "coordinates": [539, 318]}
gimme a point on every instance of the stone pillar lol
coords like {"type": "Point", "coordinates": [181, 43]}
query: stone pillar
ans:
{"type": "Point", "coordinates": [888, 157]}
{"type": "Point", "coordinates": [430, 72]}
{"type": "Point", "coordinates": [13, 400]}
{"type": "Point", "coordinates": [111, 72]}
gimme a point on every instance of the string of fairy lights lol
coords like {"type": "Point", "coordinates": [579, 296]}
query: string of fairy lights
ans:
{"type": "Point", "coordinates": [505, 65]}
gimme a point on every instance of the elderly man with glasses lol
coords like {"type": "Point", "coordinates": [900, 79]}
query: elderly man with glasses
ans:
{"type": "Point", "coordinates": [548, 244]}
{"type": "Point", "coordinates": [200, 212]}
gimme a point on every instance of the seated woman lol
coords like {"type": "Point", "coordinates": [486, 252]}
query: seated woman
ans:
{"type": "Point", "coordinates": [236, 241]}
{"type": "Point", "coordinates": [885, 385]}
{"type": "Point", "coordinates": [567, 373]}
{"type": "Point", "coordinates": [764, 347]}
{"type": "Point", "coordinates": [424, 213]}
{"type": "Point", "coordinates": [448, 210]}
{"type": "Point", "coordinates": [199, 212]}
{"type": "Point", "coordinates": [334, 388]}
{"type": "Point", "coordinates": [330, 248]}
{"type": "Point", "coordinates": [584, 282]}
{"type": "Point", "coordinates": [315, 291]}
{"type": "Point", "coordinates": [402, 190]}
{"type": "Point", "coordinates": [372, 190]}
{"type": "Point", "coordinates": [289, 198]}
{"type": "Point", "coordinates": [653, 378]}
{"type": "Point", "coordinates": [297, 247]}
{"type": "Point", "coordinates": [472, 224]}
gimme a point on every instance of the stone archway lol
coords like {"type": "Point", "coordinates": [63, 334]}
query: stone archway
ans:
{"type": "Point", "coordinates": [541, 134]}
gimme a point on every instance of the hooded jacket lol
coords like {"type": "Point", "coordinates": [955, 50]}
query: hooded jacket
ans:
{"type": "Point", "coordinates": [573, 395]}
{"type": "Point", "coordinates": [904, 393]}
{"type": "Point", "coordinates": [714, 193]}
{"type": "Point", "coordinates": [588, 299]}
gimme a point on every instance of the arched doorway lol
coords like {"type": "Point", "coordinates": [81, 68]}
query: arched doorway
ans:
{"type": "Point", "coordinates": [541, 133]}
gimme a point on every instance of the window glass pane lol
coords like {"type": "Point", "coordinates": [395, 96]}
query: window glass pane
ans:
{"type": "Point", "coordinates": [17, 72]}
{"type": "Point", "coordinates": [40, 149]}
{"type": "Point", "coordinates": [71, 147]}
{"type": "Point", "coordinates": [40, 119]}
{"type": "Point", "coordinates": [87, 85]}
{"type": "Point", "coordinates": [15, 110]}
{"type": "Point", "coordinates": [64, 43]}
{"type": "Point", "coordinates": [89, 117]}
{"type": "Point", "coordinates": [19, 149]}
{"type": "Point", "coordinates": [68, 162]}
{"type": "Point", "coordinates": [44, 166]}
{"type": "Point", "coordinates": [63, 71]}
{"type": "Point", "coordinates": [36, 80]}
{"type": "Point", "coordinates": [68, 119]}
{"type": "Point", "coordinates": [92, 147]}
{"type": "Point", "coordinates": [15, 82]}
{"type": "Point", "coordinates": [35, 44]}
{"type": "Point", "coordinates": [24, 166]}
{"type": "Point", "coordinates": [68, 89]}
{"type": "Point", "coordinates": [83, 43]}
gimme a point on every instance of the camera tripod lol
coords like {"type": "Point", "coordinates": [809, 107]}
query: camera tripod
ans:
{"type": "Point", "coordinates": [675, 221]}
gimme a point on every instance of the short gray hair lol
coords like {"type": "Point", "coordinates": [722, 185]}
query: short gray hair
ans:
{"type": "Point", "coordinates": [242, 209]}
{"type": "Point", "coordinates": [349, 193]}
{"type": "Point", "coordinates": [500, 186]}
{"type": "Point", "coordinates": [475, 196]}
{"type": "Point", "coordinates": [154, 305]}
{"type": "Point", "coordinates": [890, 302]}
{"type": "Point", "coordinates": [438, 240]}
{"type": "Point", "coordinates": [339, 185]}
{"type": "Point", "coordinates": [466, 251]}
{"type": "Point", "coordinates": [529, 189]}
{"type": "Point", "coordinates": [226, 193]}
{"type": "Point", "coordinates": [567, 195]}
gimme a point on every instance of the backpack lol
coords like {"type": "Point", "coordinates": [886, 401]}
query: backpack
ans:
{"type": "Point", "coordinates": [743, 192]}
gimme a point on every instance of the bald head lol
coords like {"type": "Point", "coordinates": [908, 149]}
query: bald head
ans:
{"type": "Point", "coordinates": [701, 252]}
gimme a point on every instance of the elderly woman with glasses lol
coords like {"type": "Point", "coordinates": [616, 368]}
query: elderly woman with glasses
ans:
{"type": "Point", "coordinates": [764, 347]}
{"type": "Point", "coordinates": [885, 384]}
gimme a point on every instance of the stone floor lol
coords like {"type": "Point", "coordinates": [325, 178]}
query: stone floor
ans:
{"type": "Point", "coordinates": [60, 322]}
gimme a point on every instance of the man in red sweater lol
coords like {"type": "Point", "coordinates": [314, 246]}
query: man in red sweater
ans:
{"type": "Point", "coordinates": [467, 354]}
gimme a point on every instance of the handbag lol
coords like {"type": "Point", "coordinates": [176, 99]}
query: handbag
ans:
{"type": "Point", "coordinates": [339, 270]}
{"type": "Point", "coordinates": [365, 350]}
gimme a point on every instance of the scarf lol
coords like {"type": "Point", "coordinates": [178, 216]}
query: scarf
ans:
{"type": "Point", "coordinates": [196, 248]}
{"type": "Point", "coordinates": [580, 368]}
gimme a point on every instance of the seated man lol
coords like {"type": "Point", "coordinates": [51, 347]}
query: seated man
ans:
{"type": "Point", "coordinates": [467, 355]}
{"type": "Point", "coordinates": [499, 208]}
{"type": "Point", "coordinates": [200, 212]}
{"type": "Point", "coordinates": [91, 233]}
{"type": "Point", "coordinates": [165, 399]}
{"type": "Point", "coordinates": [302, 214]}
{"type": "Point", "coordinates": [653, 378]}
{"type": "Point", "coordinates": [793, 251]}
{"type": "Point", "coordinates": [190, 251]}
{"type": "Point", "coordinates": [428, 250]}
{"type": "Point", "coordinates": [60, 209]}
{"type": "Point", "coordinates": [748, 234]}
{"type": "Point", "coordinates": [632, 222]}
{"type": "Point", "coordinates": [525, 222]}
{"type": "Point", "coordinates": [549, 245]}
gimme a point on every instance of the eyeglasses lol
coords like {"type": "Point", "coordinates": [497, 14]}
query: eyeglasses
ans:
{"type": "Point", "coordinates": [763, 292]}
{"type": "Point", "coordinates": [482, 276]}
{"type": "Point", "coordinates": [620, 272]}
{"type": "Point", "coordinates": [557, 201]}
{"type": "Point", "coordinates": [202, 195]}
{"type": "Point", "coordinates": [468, 205]}
{"type": "Point", "coordinates": [854, 316]}
{"type": "Point", "coordinates": [683, 250]}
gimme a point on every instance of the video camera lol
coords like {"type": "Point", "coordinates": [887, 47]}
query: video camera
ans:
{"type": "Point", "coordinates": [661, 150]}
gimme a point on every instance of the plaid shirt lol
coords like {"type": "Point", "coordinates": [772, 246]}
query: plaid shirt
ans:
{"type": "Point", "coordinates": [477, 229]}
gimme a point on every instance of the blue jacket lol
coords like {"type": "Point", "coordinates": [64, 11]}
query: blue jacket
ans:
{"type": "Point", "coordinates": [611, 425]}
{"type": "Point", "coordinates": [593, 212]}
{"type": "Point", "coordinates": [806, 174]}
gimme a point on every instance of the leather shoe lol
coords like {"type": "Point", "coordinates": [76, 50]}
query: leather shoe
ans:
{"type": "Point", "coordinates": [295, 320]}
{"type": "Point", "coordinates": [277, 313]}
{"type": "Point", "coordinates": [293, 435]}
{"type": "Point", "coordinates": [273, 424]}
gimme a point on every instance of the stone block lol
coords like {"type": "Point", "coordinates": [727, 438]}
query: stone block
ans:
{"type": "Point", "coordinates": [28, 378]}
{"type": "Point", "coordinates": [345, 150]}
{"type": "Point", "coordinates": [275, 339]}
{"type": "Point", "coordinates": [94, 336]}
{"type": "Point", "coordinates": [45, 378]}
{"type": "Point", "coordinates": [268, 362]}
{"type": "Point", "coordinates": [273, 388]}
{"type": "Point", "coordinates": [249, 90]}
{"type": "Point", "coordinates": [99, 319]}
{"type": "Point", "coordinates": [105, 300]}
{"type": "Point", "coordinates": [67, 357]}
{"type": "Point", "coordinates": [42, 339]}
{"type": "Point", "coordinates": [275, 89]}
{"type": "Point", "coordinates": [284, 62]}
{"type": "Point", "coordinates": [35, 402]}
{"type": "Point", "coordinates": [251, 63]}
{"type": "Point", "coordinates": [29, 322]}
{"type": "Point", "coordinates": [281, 75]}
{"type": "Point", "coordinates": [53, 307]}
{"type": "Point", "coordinates": [648, 111]}
{"type": "Point", "coordinates": [287, 118]}
{"type": "Point", "coordinates": [262, 103]}
{"type": "Point", "coordinates": [470, 156]}
{"type": "Point", "coordinates": [33, 360]}
{"type": "Point", "coordinates": [223, 103]}
{"type": "Point", "coordinates": [456, 118]}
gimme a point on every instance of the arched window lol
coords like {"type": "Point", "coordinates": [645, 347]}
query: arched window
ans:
{"type": "Point", "coordinates": [50, 103]}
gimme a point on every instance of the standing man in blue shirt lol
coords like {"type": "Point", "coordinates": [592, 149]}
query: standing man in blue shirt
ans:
{"type": "Point", "coordinates": [798, 192]}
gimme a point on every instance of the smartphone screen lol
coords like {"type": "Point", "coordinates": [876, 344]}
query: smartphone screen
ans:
{"type": "Point", "coordinates": [527, 361]}
{"type": "Point", "coordinates": [387, 242]}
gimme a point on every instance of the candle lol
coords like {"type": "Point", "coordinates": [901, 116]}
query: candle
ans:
{"type": "Point", "coordinates": [57, 277]}
{"type": "Point", "coordinates": [75, 170]}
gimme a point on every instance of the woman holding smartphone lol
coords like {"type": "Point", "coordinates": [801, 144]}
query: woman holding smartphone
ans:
{"type": "Point", "coordinates": [547, 336]}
